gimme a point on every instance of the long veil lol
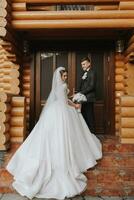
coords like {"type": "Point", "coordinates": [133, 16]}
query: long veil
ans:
{"type": "Point", "coordinates": [57, 90]}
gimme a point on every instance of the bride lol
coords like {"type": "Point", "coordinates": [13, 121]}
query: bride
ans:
{"type": "Point", "coordinates": [51, 161]}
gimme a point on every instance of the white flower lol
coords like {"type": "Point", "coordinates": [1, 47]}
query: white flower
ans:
{"type": "Point", "coordinates": [79, 98]}
{"type": "Point", "coordinates": [84, 76]}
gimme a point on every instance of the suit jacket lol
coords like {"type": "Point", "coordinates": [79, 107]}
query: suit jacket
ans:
{"type": "Point", "coordinates": [87, 86]}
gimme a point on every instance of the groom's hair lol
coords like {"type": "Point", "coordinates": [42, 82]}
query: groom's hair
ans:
{"type": "Point", "coordinates": [85, 58]}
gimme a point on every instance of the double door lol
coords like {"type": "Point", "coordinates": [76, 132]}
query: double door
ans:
{"type": "Point", "coordinates": [101, 61]}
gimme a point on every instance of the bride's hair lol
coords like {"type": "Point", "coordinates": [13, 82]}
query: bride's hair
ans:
{"type": "Point", "coordinates": [63, 71]}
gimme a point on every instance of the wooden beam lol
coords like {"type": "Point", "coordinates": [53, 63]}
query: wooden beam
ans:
{"type": "Point", "coordinates": [19, 6]}
{"type": "Point", "coordinates": [3, 22]}
{"type": "Point", "coordinates": [126, 5]}
{"type": "Point", "coordinates": [63, 24]}
{"type": "Point", "coordinates": [3, 12]}
{"type": "Point", "coordinates": [53, 15]}
{"type": "Point", "coordinates": [3, 3]}
{"type": "Point", "coordinates": [106, 7]}
{"type": "Point", "coordinates": [69, 2]}
{"type": "Point", "coordinates": [2, 31]}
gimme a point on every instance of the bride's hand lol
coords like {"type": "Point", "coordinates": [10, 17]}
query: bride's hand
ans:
{"type": "Point", "coordinates": [78, 106]}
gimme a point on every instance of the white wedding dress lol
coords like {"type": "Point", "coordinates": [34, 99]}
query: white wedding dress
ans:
{"type": "Point", "coordinates": [51, 161]}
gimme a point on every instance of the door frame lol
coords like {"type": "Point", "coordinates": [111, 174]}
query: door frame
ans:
{"type": "Point", "coordinates": [109, 89]}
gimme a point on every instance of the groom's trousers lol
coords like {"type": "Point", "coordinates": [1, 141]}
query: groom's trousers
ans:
{"type": "Point", "coordinates": [87, 111]}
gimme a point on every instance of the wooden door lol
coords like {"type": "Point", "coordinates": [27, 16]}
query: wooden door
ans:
{"type": "Point", "coordinates": [102, 63]}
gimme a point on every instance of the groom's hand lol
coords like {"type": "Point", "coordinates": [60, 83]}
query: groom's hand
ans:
{"type": "Point", "coordinates": [78, 106]}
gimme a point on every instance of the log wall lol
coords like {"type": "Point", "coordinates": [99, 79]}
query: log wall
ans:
{"type": "Point", "coordinates": [120, 87]}
{"type": "Point", "coordinates": [26, 91]}
{"type": "Point", "coordinates": [5, 116]}
{"type": "Point", "coordinates": [126, 129]}
{"type": "Point", "coordinates": [12, 119]}
{"type": "Point", "coordinates": [127, 119]}
{"type": "Point", "coordinates": [18, 119]}
{"type": "Point", "coordinates": [35, 14]}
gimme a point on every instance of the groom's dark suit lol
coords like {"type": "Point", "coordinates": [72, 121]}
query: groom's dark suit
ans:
{"type": "Point", "coordinates": [87, 87]}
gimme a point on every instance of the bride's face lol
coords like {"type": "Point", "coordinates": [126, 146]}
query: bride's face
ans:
{"type": "Point", "coordinates": [64, 76]}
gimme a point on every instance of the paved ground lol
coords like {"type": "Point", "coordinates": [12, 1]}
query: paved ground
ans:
{"type": "Point", "coordinates": [18, 197]}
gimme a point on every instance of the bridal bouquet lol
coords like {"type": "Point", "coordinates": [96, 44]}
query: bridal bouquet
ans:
{"type": "Point", "coordinates": [79, 98]}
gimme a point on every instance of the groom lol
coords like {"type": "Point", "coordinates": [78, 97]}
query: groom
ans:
{"type": "Point", "coordinates": [87, 87]}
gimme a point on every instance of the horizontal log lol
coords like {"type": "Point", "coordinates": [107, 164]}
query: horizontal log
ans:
{"type": "Point", "coordinates": [27, 101]}
{"type": "Point", "coordinates": [16, 139]}
{"type": "Point", "coordinates": [117, 117]}
{"type": "Point", "coordinates": [19, 6]}
{"type": "Point", "coordinates": [53, 15]}
{"type": "Point", "coordinates": [119, 71]}
{"type": "Point", "coordinates": [127, 140]}
{"type": "Point", "coordinates": [26, 93]}
{"type": "Point", "coordinates": [27, 109]}
{"type": "Point", "coordinates": [9, 64]}
{"type": "Point", "coordinates": [3, 12]}
{"type": "Point", "coordinates": [4, 147]}
{"type": "Point", "coordinates": [17, 121]}
{"type": "Point", "coordinates": [10, 72]}
{"type": "Point", "coordinates": [7, 54]}
{"type": "Point", "coordinates": [5, 43]}
{"type": "Point", "coordinates": [4, 127]}
{"type": "Point", "coordinates": [119, 78]}
{"type": "Point", "coordinates": [127, 132]}
{"type": "Point", "coordinates": [27, 117]}
{"type": "Point", "coordinates": [127, 111]}
{"type": "Point", "coordinates": [4, 117]}
{"type": "Point", "coordinates": [3, 22]}
{"type": "Point", "coordinates": [10, 80]}
{"type": "Point", "coordinates": [106, 7]}
{"type": "Point", "coordinates": [119, 86]}
{"type": "Point", "coordinates": [26, 78]}
{"type": "Point", "coordinates": [40, 7]}
{"type": "Point", "coordinates": [4, 138]}
{"type": "Point", "coordinates": [117, 101]}
{"type": "Point", "coordinates": [18, 101]}
{"type": "Point", "coordinates": [119, 64]}
{"type": "Point", "coordinates": [2, 31]}
{"type": "Point", "coordinates": [26, 86]}
{"type": "Point", "coordinates": [117, 109]}
{"type": "Point", "coordinates": [5, 107]}
{"type": "Point", "coordinates": [127, 101]}
{"type": "Point", "coordinates": [8, 86]}
{"type": "Point", "coordinates": [15, 47]}
{"type": "Point", "coordinates": [126, 5]}
{"type": "Point", "coordinates": [4, 97]}
{"type": "Point", "coordinates": [119, 93]}
{"type": "Point", "coordinates": [3, 3]}
{"type": "Point", "coordinates": [12, 90]}
{"type": "Point", "coordinates": [51, 24]}
{"type": "Point", "coordinates": [26, 71]}
{"type": "Point", "coordinates": [117, 126]}
{"type": "Point", "coordinates": [16, 131]}
{"type": "Point", "coordinates": [18, 111]}
{"type": "Point", "coordinates": [127, 122]}
{"type": "Point", "coordinates": [70, 1]}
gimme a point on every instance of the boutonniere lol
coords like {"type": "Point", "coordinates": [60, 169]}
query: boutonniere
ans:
{"type": "Point", "coordinates": [84, 76]}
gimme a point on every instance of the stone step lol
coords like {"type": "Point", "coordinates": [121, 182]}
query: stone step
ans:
{"type": "Point", "coordinates": [112, 176]}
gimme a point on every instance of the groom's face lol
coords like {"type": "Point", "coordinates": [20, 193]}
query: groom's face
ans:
{"type": "Point", "coordinates": [85, 65]}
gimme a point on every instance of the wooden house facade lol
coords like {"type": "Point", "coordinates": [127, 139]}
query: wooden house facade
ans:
{"type": "Point", "coordinates": [36, 36]}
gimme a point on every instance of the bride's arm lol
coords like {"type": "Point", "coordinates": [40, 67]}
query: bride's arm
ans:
{"type": "Point", "coordinates": [71, 103]}
{"type": "Point", "coordinates": [75, 105]}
